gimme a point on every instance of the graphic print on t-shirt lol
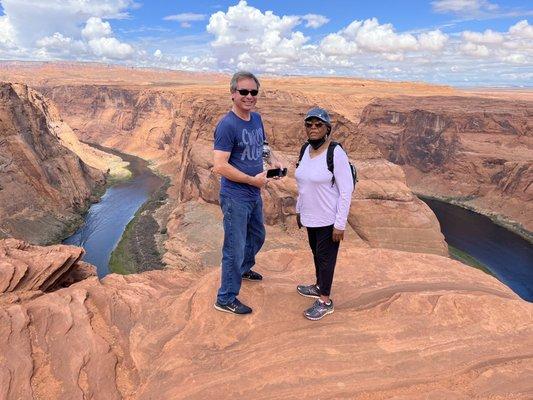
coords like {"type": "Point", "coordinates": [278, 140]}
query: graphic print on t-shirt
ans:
{"type": "Point", "coordinates": [244, 140]}
{"type": "Point", "coordinates": [252, 141]}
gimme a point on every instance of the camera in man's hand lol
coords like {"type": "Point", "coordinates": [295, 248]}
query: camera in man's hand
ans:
{"type": "Point", "coordinates": [276, 172]}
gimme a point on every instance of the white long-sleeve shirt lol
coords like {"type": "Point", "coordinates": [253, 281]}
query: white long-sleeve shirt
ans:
{"type": "Point", "coordinates": [319, 203]}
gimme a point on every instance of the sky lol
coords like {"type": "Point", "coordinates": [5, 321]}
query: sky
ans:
{"type": "Point", "coordinates": [455, 42]}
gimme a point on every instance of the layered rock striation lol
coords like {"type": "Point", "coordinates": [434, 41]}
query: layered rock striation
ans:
{"type": "Point", "coordinates": [43, 185]}
{"type": "Point", "coordinates": [476, 151]}
{"type": "Point", "coordinates": [174, 126]}
{"type": "Point", "coordinates": [28, 269]}
{"type": "Point", "coordinates": [405, 326]}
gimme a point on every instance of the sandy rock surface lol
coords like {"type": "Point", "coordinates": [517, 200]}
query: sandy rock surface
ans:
{"type": "Point", "coordinates": [27, 268]}
{"type": "Point", "coordinates": [406, 326]}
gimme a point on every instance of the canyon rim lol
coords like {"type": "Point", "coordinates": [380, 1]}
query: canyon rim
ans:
{"type": "Point", "coordinates": [410, 323]}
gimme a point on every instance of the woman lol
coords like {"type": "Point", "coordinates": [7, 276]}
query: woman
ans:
{"type": "Point", "coordinates": [323, 204]}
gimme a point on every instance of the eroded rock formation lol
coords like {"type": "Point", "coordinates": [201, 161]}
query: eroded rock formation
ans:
{"type": "Point", "coordinates": [405, 326]}
{"type": "Point", "coordinates": [174, 126]}
{"type": "Point", "coordinates": [478, 151]}
{"type": "Point", "coordinates": [28, 269]}
{"type": "Point", "coordinates": [149, 113]}
{"type": "Point", "coordinates": [43, 184]}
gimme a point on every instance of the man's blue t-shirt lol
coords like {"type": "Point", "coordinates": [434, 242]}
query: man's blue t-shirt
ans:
{"type": "Point", "coordinates": [244, 139]}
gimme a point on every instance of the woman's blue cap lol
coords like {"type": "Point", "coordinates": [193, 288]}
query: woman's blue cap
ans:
{"type": "Point", "coordinates": [319, 113]}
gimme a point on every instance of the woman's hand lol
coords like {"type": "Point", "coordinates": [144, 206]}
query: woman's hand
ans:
{"type": "Point", "coordinates": [338, 235]}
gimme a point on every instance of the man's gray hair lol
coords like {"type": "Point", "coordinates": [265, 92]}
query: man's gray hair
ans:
{"type": "Point", "coordinates": [237, 76]}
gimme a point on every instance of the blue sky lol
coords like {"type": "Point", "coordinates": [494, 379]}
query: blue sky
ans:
{"type": "Point", "coordinates": [459, 42]}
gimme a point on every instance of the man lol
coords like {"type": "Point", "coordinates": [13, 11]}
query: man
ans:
{"type": "Point", "coordinates": [238, 149]}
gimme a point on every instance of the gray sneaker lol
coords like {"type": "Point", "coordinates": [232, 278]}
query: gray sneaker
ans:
{"type": "Point", "coordinates": [308, 291]}
{"type": "Point", "coordinates": [318, 310]}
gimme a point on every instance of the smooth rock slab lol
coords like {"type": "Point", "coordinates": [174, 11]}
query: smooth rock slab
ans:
{"type": "Point", "coordinates": [406, 326]}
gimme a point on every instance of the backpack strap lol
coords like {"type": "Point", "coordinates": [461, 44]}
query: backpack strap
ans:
{"type": "Point", "coordinates": [302, 151]}
{"type": "Point", "coordinates": [329, 159]}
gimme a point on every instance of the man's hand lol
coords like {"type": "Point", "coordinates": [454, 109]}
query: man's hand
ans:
{"type": "Point", "coordinates": [299, 221]}
{"type": "Point", "coordinates": [338, 235]}
{"type": "Point", "coordinates": [259, 180]}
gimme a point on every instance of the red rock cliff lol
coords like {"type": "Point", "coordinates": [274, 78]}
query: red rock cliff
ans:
{"type": "Point", "coordinates": [43, 185]}
{"type": "Point", "coordinates": [478, 151]}
{"type": "Point", "coordinates": [174, 126]}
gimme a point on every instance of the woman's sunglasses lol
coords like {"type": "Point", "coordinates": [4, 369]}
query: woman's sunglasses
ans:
{"type": "Point", "coordinates": [246, 92]}
{"type": "Point", "coordinates": [311, 124]}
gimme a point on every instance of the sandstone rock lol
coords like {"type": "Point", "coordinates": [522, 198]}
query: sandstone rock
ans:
{"type": "Point", "coordinates": [44, 185]}
{"type": "Point", "coordinates": [24, 267]}
{"type": "Point", "coordinates": [406, 325]}
{"type": "Point", "coordinates": [181, 122]}
{"type": "Point", "coordinates": [478, 151]}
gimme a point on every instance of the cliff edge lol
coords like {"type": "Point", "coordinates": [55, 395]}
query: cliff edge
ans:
{"type": "Point", "coordinates": [406, 326]}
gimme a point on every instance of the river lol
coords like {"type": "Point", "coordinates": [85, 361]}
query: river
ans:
{"type": "Point", "coordinates": [106, 220]}
{"type": "Point", "coordinates": [508, 256]}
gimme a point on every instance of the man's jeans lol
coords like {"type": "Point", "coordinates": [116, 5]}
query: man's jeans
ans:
{"type": "Point", "coordinates": [244, 234]}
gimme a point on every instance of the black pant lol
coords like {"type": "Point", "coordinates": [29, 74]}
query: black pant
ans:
{"type": "Point", "coordinates": [325, 255]}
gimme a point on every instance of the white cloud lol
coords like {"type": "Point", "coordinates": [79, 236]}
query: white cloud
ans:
{"type": "Point", "coordinates": [95, 28]}
{"type": "Point", "coordinates": [475, 50]}
{"type": "Point", "coordinates": [336, 44]}
{"type": "Point", "coordinates": [515, 59]}
{"type": "Point", "coordinates": [185, 63]}
{"type": "Point", "coordinates": [7, 33]}
{"type": "Point", "coordinates": [245, 37]}
{"type": "Point", "coordinates": [369, 36]}
{"type": "Point", "coordinates": [315, 20]}
{"type": "Point", "coordinates": [185, 17]}
{"type": "Point", "coordinates": [433, 40]}
{"type": "Point", "coordinates": [57, 46]}
{"type": "Point", "coordinates": [35, 19]}
{"type": "Point", "coordinates": [373, 37]}
{"type": "Point", "coordinates": [110, 47]}
{"type": "Point", "coordinates": [393, 56]}
{"type": "Point", "coordinates": [55, 42]}
{"type": "Point", "coordinates": [514, 46]}
{"type": "Point", "coordinates": [98, 34]}
{"type": "Point", "coordinates": [522, 30]}
{"type": "Point", "coordinates": [479, 9]}
{"type": "Point", "coordinates": [487, 37]}
{"type": "Point", "coordinates": [463, 6]}
{"type": "Point", "coordinates": [72, 29]}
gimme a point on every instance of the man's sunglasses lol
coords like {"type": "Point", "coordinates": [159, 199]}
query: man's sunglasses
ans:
{"type": "Point", "coordinates": [246, 92]}
{"type": "Point", "coordinates": [311, 124]}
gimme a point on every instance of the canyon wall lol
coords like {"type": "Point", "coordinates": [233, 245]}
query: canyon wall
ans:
{"type": "Point", "coordinates": [407, 325]}
{"type": "Point", "coordinates": [43, 185]}
{"type": "Point", "coordinates": [174, 128]}
{"type": "Point", "coordinates": [476, 151]}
